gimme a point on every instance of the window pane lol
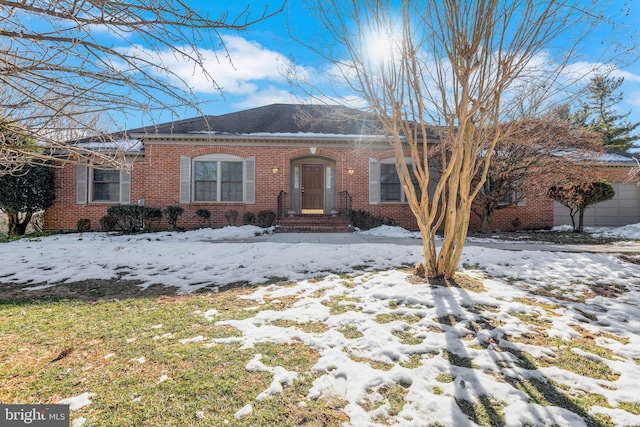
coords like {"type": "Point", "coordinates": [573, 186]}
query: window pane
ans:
{"type": "Point", "coordinates": [206, 177]}
{"type": "Point", "coordinates": [389, 183]}
{"type": "Point", "coordinates": [205, 191]}
{"type": "Point", "coordinates": [206, 171]}
{"type": "Point", "coordinates": [231, 187]}
{"type": "Point", "coordinates": [106, 185]}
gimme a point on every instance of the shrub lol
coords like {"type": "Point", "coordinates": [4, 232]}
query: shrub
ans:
{"type": "Point", "coordinates": [231, 216]}
{"type": "Point", "coordinates": [151, 218]}
{"type": "Point", "coordinates": [173, 213]}
{"type": "Point", "coordinates": [266, 218]}
{"type": "Point", "coordinates": [205, 216]}
{"type": "Point", "coordinates": [83, 224]}
{"type": "Point", "coordinates": [364, 220]}
{"type": "Point", "coordinates": [129, 218]}
{"type": "Point", "coordinates": [108, 223]}
{"type": "Point", "coordinates": [248, 218]}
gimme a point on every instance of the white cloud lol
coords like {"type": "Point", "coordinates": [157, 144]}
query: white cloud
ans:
{"type": "Point", "coordinates": [634, 98]}
{"type": "Point", "coordinates": [269, 95]}
{"type": "Point", "coordinates": [240, 70]}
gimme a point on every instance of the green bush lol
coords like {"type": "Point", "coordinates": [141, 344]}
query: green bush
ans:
{"type": "Point", "coordinates": [151, 218]}
{"type": "Point", "coordinates": [266, 218]}
{"type": "Point", "coordinates": [364, 220]}
{"type": "Point", "coordinates": [173, 213]}
{"type": "Point", "coordinates": [205, 217]}
{"type": "Point", "coordinates": [231, 216]}
{"type": "Point", "coordinates": [83, 224]}
{"type": "Point", "coordinates": [108, 223]}
{"type": "Point", "coordinates": [248, 218]}
{"type": "Point", "coordinates": [129, 218]}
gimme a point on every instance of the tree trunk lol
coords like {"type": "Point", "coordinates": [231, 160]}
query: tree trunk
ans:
{"type": "Point", "coordinates": [572, 214]}
{"type": "Point", "coordinates": [581, 221]}
{"type": "Point", "coordinates": [17, 227]}
{"type": "Point", "coordinates": [486, 218]}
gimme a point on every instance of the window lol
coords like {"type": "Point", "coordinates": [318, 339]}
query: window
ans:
{"type": "Point", "coordinates": [105, 185]}
{"type": "Point", "coordinates": [217, 178]}
{"type": "Point", "coordinates": [102, 185]}
{"type": "Point", "coordinates": [390, 187]}
{"type": "Point", "coordinates": [385, 186]}
{"type": "Point", "coordinates": [218, 181]}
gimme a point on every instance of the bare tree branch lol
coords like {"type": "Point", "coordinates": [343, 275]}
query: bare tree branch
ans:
{"type": "Point", "coordinates": [65, 62]}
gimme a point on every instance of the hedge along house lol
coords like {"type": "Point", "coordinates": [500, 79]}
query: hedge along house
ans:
{"type": "Point", "coordinates": [311, 165]}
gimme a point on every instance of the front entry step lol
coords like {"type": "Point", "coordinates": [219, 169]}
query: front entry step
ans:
{"type": "Point", "coordinates": [314, 224]}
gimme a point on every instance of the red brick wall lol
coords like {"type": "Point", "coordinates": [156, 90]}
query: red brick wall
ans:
{"type": "Point", "coordinates": [156, 178]}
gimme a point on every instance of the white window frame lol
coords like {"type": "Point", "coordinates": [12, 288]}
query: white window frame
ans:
{"type": "Point", "coordinates": [92, 187]}
{"type": "Point", "coordinates": [219, 158]}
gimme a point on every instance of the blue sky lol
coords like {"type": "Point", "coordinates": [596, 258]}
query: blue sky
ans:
{"type": "Point", "coordinates": [261, 53]}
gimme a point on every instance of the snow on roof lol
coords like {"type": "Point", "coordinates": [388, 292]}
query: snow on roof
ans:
{"type": "Point", "coordinates": [291, 134]}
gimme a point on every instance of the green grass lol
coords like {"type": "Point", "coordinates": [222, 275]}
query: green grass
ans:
{"type": "Point", "coordinates": [408, 338]}
{"type": "Point", "coordinates": [341, 304]}
{"type": "Point", "coordinates": [392, 317]}
{"type": "Point", "coordinates": [211, 379]}
{"type": "Point", "coordinates": [350, 332]}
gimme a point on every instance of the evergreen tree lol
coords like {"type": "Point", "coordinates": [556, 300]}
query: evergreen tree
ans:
{"type": "Point", "coordinates": [598, 113]}
{"type": "Point", "coordinates": [24, 194]}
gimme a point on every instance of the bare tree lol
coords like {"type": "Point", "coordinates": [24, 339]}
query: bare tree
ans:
{"type": "Point", "coordinates": [63, 63]}
{"type": "Point", "coordinates": [456, 68]}
{"type": "Point", "coordinates": [540, 153]}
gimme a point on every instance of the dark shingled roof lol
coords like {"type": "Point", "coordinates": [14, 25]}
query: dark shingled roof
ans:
{"type": "Point", "coordinates": [276, 118]}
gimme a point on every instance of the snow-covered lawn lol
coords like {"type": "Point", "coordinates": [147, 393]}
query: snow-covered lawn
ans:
{"type": "Point", "coordinates": [525, 339]}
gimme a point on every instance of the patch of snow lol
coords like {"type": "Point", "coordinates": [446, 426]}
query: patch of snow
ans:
{"type": "Point", "coordinates": [199, 338]}
{"type": "Point", "coordinates": [246, 410]}
{"type": "Point", "coordinates": [210, 314]}
{"type": "Point", "coordinates": [77, 402]}
{"type": "Point", "coordinates": [391, 231]}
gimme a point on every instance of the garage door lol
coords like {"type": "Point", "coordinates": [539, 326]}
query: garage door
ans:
{"type": "Point", "coordinates": [623, 209]}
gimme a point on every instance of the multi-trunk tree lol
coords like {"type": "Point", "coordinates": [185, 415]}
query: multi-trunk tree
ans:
{"type": "Point", "coordinates": [458, 69]}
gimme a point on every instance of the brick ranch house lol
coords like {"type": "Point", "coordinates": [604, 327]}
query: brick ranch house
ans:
{"type": "Point", "coordinates": [289, 159]}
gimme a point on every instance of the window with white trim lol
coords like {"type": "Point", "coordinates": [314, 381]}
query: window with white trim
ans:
{"type": "Point", "coordinates": [105, 185]}
{"type": "Point", "coordinates": [218, 180]}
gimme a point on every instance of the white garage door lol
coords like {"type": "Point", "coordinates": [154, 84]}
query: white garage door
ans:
{"type": "Point", "coordinates": [623, 209]}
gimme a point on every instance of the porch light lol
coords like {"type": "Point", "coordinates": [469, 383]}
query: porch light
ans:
{"type": "Point", "coordinates": [350, 170]}
{"type": "Point", "coordinates": [275, 169]}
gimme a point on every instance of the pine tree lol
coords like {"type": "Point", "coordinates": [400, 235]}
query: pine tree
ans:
{"type": "Point", "coordinates": [599, 114]}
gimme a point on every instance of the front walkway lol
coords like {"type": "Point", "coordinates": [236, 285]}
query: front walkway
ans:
{"type": "Point", "coordinates": [356, 238]}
